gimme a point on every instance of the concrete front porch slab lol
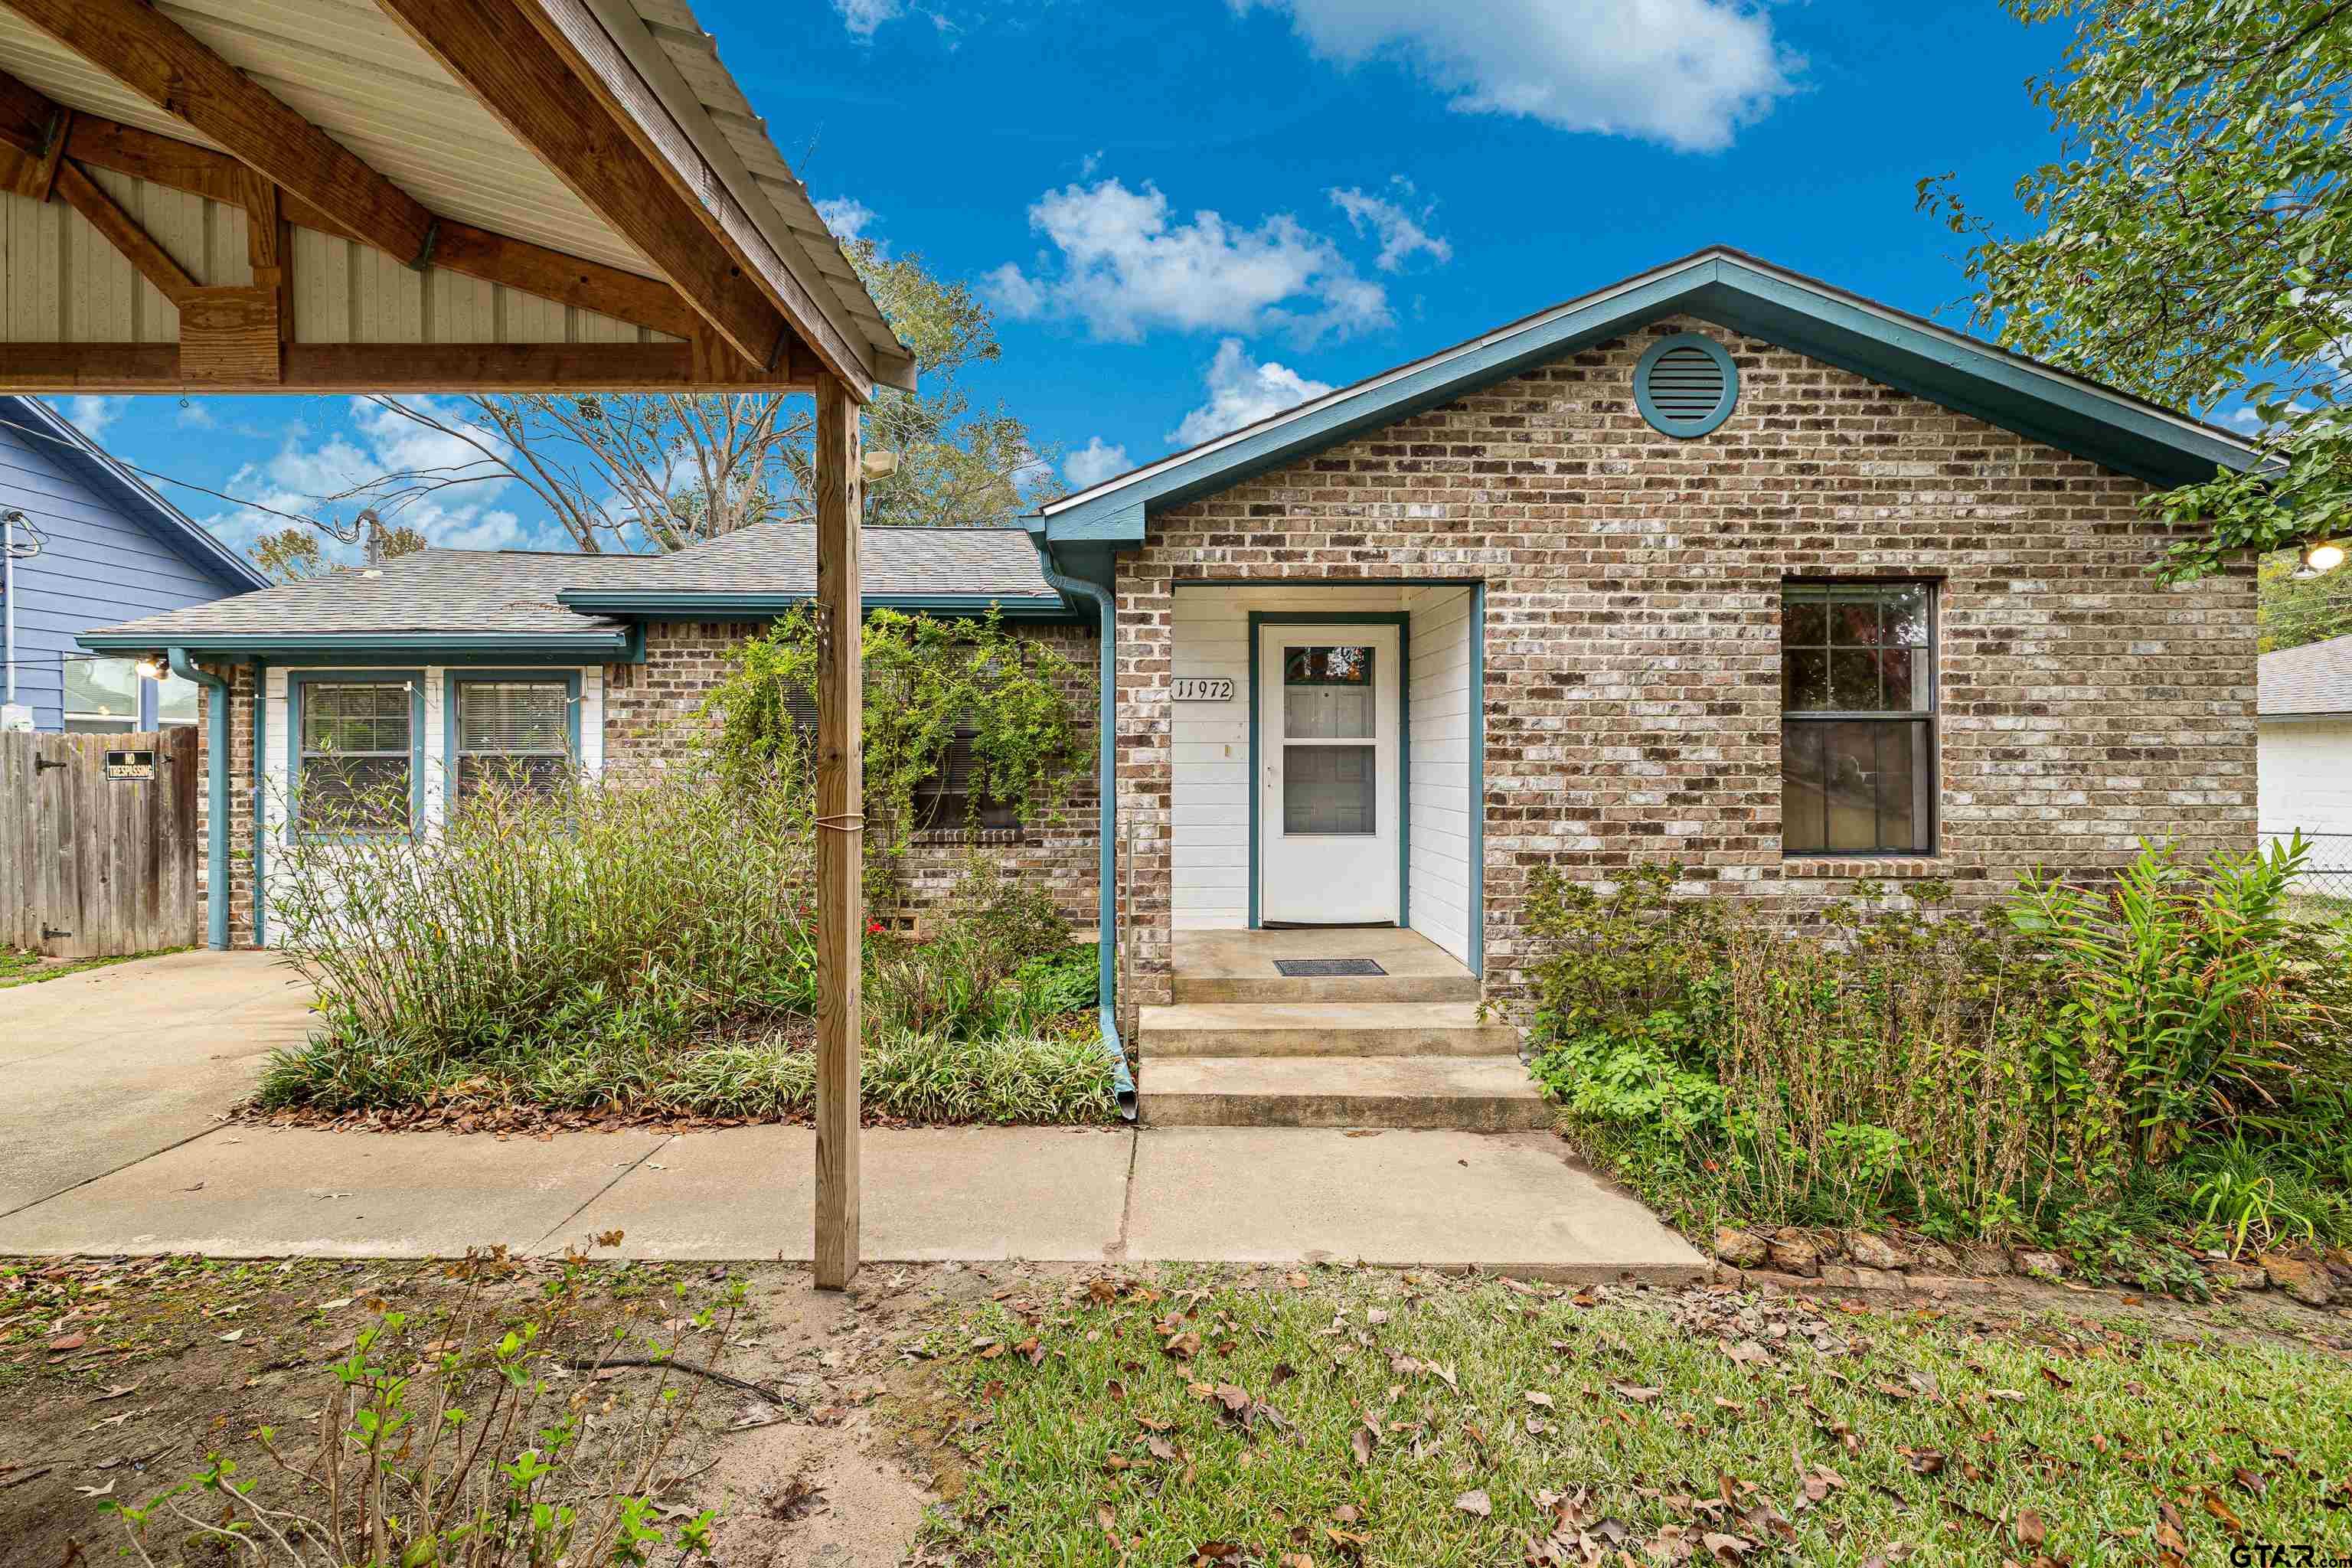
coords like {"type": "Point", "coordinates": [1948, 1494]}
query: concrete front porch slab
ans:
{"type": "Point", "coordinates": [1224, 966]}
{"type": "Point", "coordinates": [927, 1195]}
{"type": "Point", "coordinates": [260, 1191]}
{"type": "Point", "coordinates": [1506, 1202]}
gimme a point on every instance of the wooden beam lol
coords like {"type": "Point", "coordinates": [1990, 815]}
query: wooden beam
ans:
{"type": "Point", "coordinates": [86, 196]}
{"type": "Point", "coordinates": [270, 250]}
{"type": "Point", "coordinates": [596, 58]}
{"type": "Point", "coordinates": [387, 367]}
{"type": "Point", "coordinates": [96, 143]}
{"type": "Point", "coordinates": [178, 72]}
{"type": "Point", "coordinates": [26, 115]}
{"type": "Point", "coordinates": [493, 48]}
{"type": "Point", "coordinates": [229, 337]}
{"type": "Point", "coordinates": [840, 840]}
{"type": "Point", "coordinates": [37, 180]}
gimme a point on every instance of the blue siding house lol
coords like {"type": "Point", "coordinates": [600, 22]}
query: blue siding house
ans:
{"type": "Point", "coordinates": [92, 546]}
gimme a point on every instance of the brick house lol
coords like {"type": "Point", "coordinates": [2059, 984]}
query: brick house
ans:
{"type": "Point", "coordinates": [1717, 565]}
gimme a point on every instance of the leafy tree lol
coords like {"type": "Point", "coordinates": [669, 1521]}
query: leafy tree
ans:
{"type": "Point", "coordinates": [659, 472]}
{"type": "Point", "coordinates": [2298, 607]}
{"type": "Point", "coordinates": [294, 554]}
{"type": "Point", "coordinates": [2194, 244]}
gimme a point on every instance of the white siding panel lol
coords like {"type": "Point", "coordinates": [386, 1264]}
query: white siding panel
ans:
{"type": "Point", "coordinates": [2304, 781]}
{"type": "Point", "coordinates": [1209, 743]}
{"type": "Point", "coordinates": [1439, 697]}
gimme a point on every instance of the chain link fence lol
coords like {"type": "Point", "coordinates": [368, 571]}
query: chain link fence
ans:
{"type": "Point", "coordinates": [2328, 873]}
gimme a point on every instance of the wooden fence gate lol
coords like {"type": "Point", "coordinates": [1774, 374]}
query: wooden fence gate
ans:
{"type": "Point", "coordinates": [97, 843]}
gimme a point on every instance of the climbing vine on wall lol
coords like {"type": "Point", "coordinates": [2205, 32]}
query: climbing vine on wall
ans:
{"type": "Point", "coordinates": [925, 679]}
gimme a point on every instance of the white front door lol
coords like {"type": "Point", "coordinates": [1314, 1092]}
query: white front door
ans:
{"type": "Point", "coordinates": [1329, 747]}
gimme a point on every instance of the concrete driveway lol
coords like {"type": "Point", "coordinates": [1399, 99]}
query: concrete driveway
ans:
{"type": "Point", "coordinates": [101, 1069]}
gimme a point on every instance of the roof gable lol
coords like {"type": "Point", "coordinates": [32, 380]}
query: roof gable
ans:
{"type": "Point", "coordinates": [1731, 290]}
{"type": "Point", "coordinates": [129, 496]}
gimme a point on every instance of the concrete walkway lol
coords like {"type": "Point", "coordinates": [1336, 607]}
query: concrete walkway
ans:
{"type": "Point", "coordinates": [103, 1068]}
{"type": "Point", "coordinates": [1504, 1202]}
{"type": "Point", "coordinates": [113, 1084]}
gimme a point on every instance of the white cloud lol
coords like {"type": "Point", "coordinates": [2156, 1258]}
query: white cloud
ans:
{"type": "Point", "coordinates": [864, 17]}
{"type": "Point", "coordinates": [303, 472]}
{"type": "Point", "coordinates": [1686, 73]}
{"type": "Point", "coordinates": [91, 415]}
{"type": "Point", "coordinates": [1242, 391]}
{"type": "Point", "coordinates": [1400, 231]}
{"type": "Point", "coordinates": [1095, 462]}
{"type": "Point", "coordinates": [848, 217]}
{"type": "Point", "coordinates": [1126, 266]}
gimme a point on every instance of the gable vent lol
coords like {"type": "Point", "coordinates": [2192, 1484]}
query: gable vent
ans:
{"type": "Point", "coordinates": [1685, 385]}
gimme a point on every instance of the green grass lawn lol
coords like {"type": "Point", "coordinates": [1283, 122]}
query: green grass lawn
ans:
{"type": "Point", "coordinates": [1345, 1417]}
{"type": "Point", "coordinates": [19, 967]}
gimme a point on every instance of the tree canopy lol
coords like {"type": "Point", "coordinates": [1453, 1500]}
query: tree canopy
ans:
{"type": "Point", "coordinates": [2194, 242]}
{"type": "Point", "coordinates": [653, 472]}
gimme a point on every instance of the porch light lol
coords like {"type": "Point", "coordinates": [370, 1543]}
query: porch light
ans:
{"type": "Point", "coordinates": [2323, 555]}
{"type": "Point", "coordinates": [149, 669]}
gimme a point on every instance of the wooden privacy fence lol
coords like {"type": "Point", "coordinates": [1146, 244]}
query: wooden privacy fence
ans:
{"type": "Point", "coordinates": [97, 843]}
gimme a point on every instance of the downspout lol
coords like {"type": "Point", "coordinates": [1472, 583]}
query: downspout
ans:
{"type": "Point", "coordinates": [1107, 788]}
{"type": "Point", "coordinates": [215, 794]}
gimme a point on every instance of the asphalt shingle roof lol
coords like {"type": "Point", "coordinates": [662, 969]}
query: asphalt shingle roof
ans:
{"type": "Point", "coordinates": [2313, 678]}
{"type": "Point", "coordinates": [515, 590]}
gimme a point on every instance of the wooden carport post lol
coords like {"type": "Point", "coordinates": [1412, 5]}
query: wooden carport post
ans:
{"type": "Point", "coordinates": [841, 837]}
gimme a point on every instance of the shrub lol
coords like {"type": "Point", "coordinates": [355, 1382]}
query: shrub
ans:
{"type": "Point", "coordinates": [462, 1441]}
{"type": "Point", "coordinates": [647, 948]}
{"type": "Point", "coordinates": [1980, 1076]}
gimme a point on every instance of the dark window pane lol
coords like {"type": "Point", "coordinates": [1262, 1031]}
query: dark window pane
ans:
{"type": "Point", "coordinates": [1804, 623]}
{"type": "Point", "coordinates": [1895, 666]}
{"type": "Point", "coordinates": [1896, 787]}
{"type": "Point", "coordinates": [1806, 681]}
{"type": "Point", "coordinates": [1802, 828]}
{"type": "Point", "coordinates": [1850, 784]}
{"type": "Point", "coordinates": [1853, 680]}
{"type": "Point", "coordinates": [1328, 789]}
{"type": "Point", "coordinates": [1855, 624]}
{"type": "Point", "coordinates": [1905, 608]}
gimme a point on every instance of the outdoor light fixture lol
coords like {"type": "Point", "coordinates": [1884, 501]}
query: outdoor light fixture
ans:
{"type": "Point", "coordinates": [2323, 555]}
{"type": "Point", "coordinates": [149, 669]}
{"type": "Point", "coordinates": [879, 464]}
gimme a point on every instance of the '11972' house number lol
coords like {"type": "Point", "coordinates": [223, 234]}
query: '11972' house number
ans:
{"type": "Point", "coordinates": [1202, 688]}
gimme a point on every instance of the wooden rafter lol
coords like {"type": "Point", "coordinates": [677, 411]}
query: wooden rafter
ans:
{"type": "Point", "coordinates": [96, 143]}
{"type": "Point", "coordinates": [497, 52]}
{"type": "Point", "coordinates": [386, 367]}
{"type": "Point", "coordinates": [84, 194]}
{"type": "Point", "coordinates": [179, 73]}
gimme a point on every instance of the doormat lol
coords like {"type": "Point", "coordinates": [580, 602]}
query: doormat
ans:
{"type": "Point", "coordinates": [1315, 968]}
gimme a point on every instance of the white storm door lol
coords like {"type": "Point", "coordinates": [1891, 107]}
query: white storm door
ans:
{"type": "Point", "coordinates": [1327, 722]}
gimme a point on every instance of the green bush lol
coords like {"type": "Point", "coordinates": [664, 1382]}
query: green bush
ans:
{"type": "Point", "coordinates": [647, 947]}
{"type": "Point", "coordinates": [2163, 1052]}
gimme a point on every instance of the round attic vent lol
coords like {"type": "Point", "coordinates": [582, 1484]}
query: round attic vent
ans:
{"type": "Point", "coordinates": [1685, 385]}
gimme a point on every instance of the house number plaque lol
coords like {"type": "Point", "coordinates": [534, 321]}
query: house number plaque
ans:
{"type": "Point", "coordinates": [1202, 689]}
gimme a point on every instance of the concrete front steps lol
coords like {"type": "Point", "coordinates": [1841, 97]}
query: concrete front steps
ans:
{"type": "Point", "coordinates": [1246, 1045]}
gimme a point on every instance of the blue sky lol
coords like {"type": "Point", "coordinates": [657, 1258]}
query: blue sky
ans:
{"type": "Point", "coordinates": [1189, 214]}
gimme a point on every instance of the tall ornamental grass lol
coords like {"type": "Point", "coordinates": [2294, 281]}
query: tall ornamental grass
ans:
{"type": "Point", "coordinates": [671, 892]}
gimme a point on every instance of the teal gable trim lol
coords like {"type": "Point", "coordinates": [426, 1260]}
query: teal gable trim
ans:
{"type": "Point", "coordinates": [1402, 621]}
{"type": "Point", "coordinates": [452, 679]}
{"type": "Point", "coordinates": [651, 607]}
{"type": "Point", "coordinates": [296, 681]}
{"type": "Point", "coordinates": [1730, 289]}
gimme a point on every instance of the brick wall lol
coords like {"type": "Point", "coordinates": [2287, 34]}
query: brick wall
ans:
{"type": "Point", "coordinates": [652, 719]}
{"type": "Point", "coordinates": [1632, 621]}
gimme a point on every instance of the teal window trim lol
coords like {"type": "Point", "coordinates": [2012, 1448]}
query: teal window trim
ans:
{"type": "Point", "coordinates": [260, 803]}
{"type": "Point", "coordinates": [545, 675]}
{"type": "Point", "coordinates": [1402, 621]}
{"type": "Point", "coordinates": [297, 679]}
{"type": "Point", "coordinates": [1685, 429]}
